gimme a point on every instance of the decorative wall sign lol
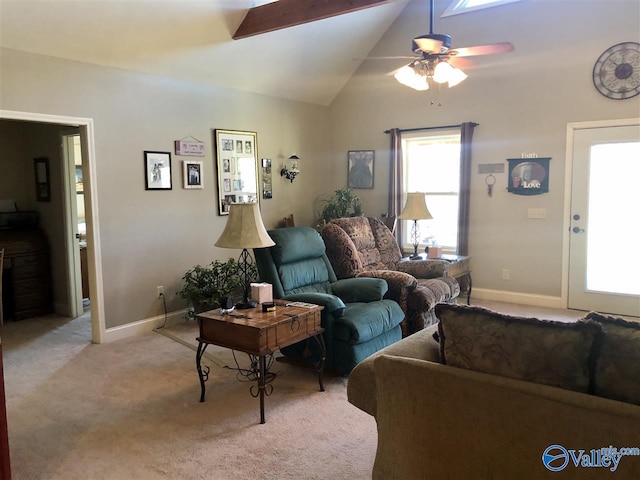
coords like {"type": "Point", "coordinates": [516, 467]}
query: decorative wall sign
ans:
{"type": "Point", "coordinates": [189, 148]}
{"type": "Point", "coordinates": [157, 170]}
{"type": "Point", "coordinates": [43, 183]}
{"type": "Point", "coordinates": [491, 168]}
{"type": "Point", "coordinates": [528, 176]}
{"type": "Point", "coordinates": [192, 174]}
{"type": "Point", "coordinates": [360, 168]}
{"type": "Point", "coordinates": [237, 165]}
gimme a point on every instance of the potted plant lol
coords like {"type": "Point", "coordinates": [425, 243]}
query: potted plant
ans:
{"type": "Point", "coordinates": [343, 203]}
{"type": "Point", "coordinates": [205, 286]}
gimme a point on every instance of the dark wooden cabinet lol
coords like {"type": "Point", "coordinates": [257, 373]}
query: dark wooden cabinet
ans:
{"type": "Point", "coordinates": [26, 274]}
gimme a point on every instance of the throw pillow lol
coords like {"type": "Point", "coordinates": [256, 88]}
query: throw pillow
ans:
{"type": "Point", "coordinates": [617, 374]}
{"type": "Point", "coordinates": [559, 354]}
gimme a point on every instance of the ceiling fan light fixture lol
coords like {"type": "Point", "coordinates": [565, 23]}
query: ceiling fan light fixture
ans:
{"type": "Point", "coordinates": [409, 77]}
{"type": "Point", "coordinates": [456, 76]}
{"type": "Point", "coordinates": [442, 72]}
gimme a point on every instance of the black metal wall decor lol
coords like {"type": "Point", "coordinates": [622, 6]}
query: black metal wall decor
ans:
{"type": "Point", "coordinates": [528, 176]}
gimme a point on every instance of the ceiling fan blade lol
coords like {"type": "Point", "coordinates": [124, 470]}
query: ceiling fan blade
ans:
{"type": "Point", "coordinates": [490, 49]}
{"type": "Point", "coordinates": [462, 63]}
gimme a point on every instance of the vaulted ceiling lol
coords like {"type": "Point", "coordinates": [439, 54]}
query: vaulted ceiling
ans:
{"type": "Point", "coordinates": [302, 50]}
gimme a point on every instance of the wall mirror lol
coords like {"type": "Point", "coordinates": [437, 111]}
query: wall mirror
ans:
{"type": "Point", "coordinates": [237, 165]}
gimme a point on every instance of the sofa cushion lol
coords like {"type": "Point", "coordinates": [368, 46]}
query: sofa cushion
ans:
{"type": "Point", "coordinates": [386, 243]}
{"type": "Point", "coordinates": [559, 354]}
{"type": "Point", "coordinates": [617, 374]}
{"type": "Point", "coordinates": [359, 232]}
{"type": "Point", "coordinates": [341, 251]}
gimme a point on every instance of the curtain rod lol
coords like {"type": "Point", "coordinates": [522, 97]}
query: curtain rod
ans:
{"type": "Point", "coordinates": [430, 128]}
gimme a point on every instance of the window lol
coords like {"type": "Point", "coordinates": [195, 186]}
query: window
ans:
{"type": "Point", "coordinates": [432, 165]}
{"type": "Point", "coordinates": [464, 6]}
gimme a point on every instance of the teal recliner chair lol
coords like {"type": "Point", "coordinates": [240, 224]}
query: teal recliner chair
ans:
{"type": "Point", "coordinates": [357, 320]}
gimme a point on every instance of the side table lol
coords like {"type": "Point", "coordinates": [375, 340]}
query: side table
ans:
{"type": "Point", "coordinates": [259, 334]}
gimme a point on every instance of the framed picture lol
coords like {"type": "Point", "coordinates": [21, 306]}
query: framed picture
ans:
{"type": "Point", "coordinates": [528, 176]}
{"type": "Point", "coordinates": [192, 174]}
{"type": "Point", "coordinates": [43, 183]}
{"type": "Point", "coordinates": [267, 187]}
{"type": "Point", "coordinates": [237, 167]}
{"type": "Point", "coordinates": [157, 170]}
{"type": "Point", "coordinates": [360, 168]}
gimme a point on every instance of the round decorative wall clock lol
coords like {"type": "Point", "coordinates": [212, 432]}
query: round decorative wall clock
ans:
{"type": "Point", "coordinates": [616, 73]}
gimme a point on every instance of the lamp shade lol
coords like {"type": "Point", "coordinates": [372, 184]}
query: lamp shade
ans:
{"type": "Point", "coordinates": [415, 208]}
{"type": "Point", "coordinates": [244, 228]}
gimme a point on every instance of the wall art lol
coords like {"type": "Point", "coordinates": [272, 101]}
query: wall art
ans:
{"type": "Point", "coordinates": [528, 176]}
{"type": "Point", "coordinates": [360, 165]}
{"type": "Point", "coordinates": [237, 167]}
{"type": "Point", "coordinates": [192, 174]}
{"type": "Point", "coordinates": [157, 170]}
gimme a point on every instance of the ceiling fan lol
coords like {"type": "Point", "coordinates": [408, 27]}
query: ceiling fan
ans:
{"type": "Point", "coordinates": [435, 59]}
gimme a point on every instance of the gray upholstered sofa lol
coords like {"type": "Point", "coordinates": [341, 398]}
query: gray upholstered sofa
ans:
{"type": "Point", "coordinates": [481, 420]}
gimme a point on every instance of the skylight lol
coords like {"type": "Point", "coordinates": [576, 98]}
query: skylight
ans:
{"type": "Point", "coordinates": [463, 6]}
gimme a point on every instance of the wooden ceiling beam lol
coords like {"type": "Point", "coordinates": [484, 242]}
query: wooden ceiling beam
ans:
{"type": "Point", "coordinates": [288, 13]}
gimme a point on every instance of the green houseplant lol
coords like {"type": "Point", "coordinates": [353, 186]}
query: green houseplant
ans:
{"type": "Point", "coordinates": [204, 286]}
{"type": "Point", "coordinates": [343, 203]}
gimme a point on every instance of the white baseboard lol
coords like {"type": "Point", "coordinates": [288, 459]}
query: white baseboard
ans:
{"type": "Point", "coordinates": [518, 297]}
{"type": "Point", "coordinates": [143, 326]}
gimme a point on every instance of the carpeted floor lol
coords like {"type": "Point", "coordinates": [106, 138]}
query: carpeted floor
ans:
{"type": "Point", "coordinates": [129, 410]}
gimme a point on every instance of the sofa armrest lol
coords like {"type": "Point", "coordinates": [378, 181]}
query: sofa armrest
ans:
{"type": "Point", "coordinates": [399, 282]}
{"type": "Point", "coordinates": [467, 419]}
{"type": "Point", "coordinates": [361, 389]}
{"type": "Point", "coordinates": [396, 280]}
{"type": "Point", "coordinates": [424, 268]}
{"type": "Point", "coordinates": [364, 290]}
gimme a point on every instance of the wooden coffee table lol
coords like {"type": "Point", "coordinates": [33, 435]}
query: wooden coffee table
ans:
{"type": "Point", "coordinates": [259, 334]}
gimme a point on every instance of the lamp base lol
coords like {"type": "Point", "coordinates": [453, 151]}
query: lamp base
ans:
{"type": "Point", "coordinates": [415, 256]}
{"type": "Point", "coordinates": [246, 305]}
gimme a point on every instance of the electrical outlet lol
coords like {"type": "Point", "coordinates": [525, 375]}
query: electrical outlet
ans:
{"type": "Point", "coordinates": [505, 274]}
{"type": "Point", "coordinates": [159, 291]}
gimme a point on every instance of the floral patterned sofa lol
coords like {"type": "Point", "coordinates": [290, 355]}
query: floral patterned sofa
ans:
{"type": "Point", "coordinates": [364, 246]}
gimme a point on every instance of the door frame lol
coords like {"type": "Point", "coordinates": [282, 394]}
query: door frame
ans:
{"type": "Point", "coordinates": [94, 254]}
{"type": "Point", "coordinates": [568, 181]}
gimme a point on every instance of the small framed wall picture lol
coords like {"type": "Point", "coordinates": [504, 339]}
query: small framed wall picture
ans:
{"type": "Point", "coordinates": [192, 174]}
{"type": "Point", "coordinates": [360, 165]}
{"type": "Point", "coordinates": [43, 183]}
{"type": "Point", "coordinates": [528, 176]}
{"type": "Point", "coordinates": [157, 170]}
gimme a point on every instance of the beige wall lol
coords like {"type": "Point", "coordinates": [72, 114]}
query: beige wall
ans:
{"type": "Point", "coordinates": [151, 238]}
{"type": "Point", "coordinates": [523, 102]}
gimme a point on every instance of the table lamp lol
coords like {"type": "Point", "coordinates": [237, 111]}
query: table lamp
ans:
{"type": "Point", "coordinates": [415, 209]}
{"type": "Point", "coordinates": [244, 230]}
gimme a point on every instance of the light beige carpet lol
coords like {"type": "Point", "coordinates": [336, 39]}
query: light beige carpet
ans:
{"type": "Point", "coordinates": [130, 410]}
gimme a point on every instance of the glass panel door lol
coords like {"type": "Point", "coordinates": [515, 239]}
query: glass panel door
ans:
{"type": "Point", "coordinates": [604, 262]}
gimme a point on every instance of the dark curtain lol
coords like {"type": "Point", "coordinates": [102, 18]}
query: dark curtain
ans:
{"type": "Point", "coordinates": [395, 179]}
{"type": "Point", "coordinates": [466, 135]}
